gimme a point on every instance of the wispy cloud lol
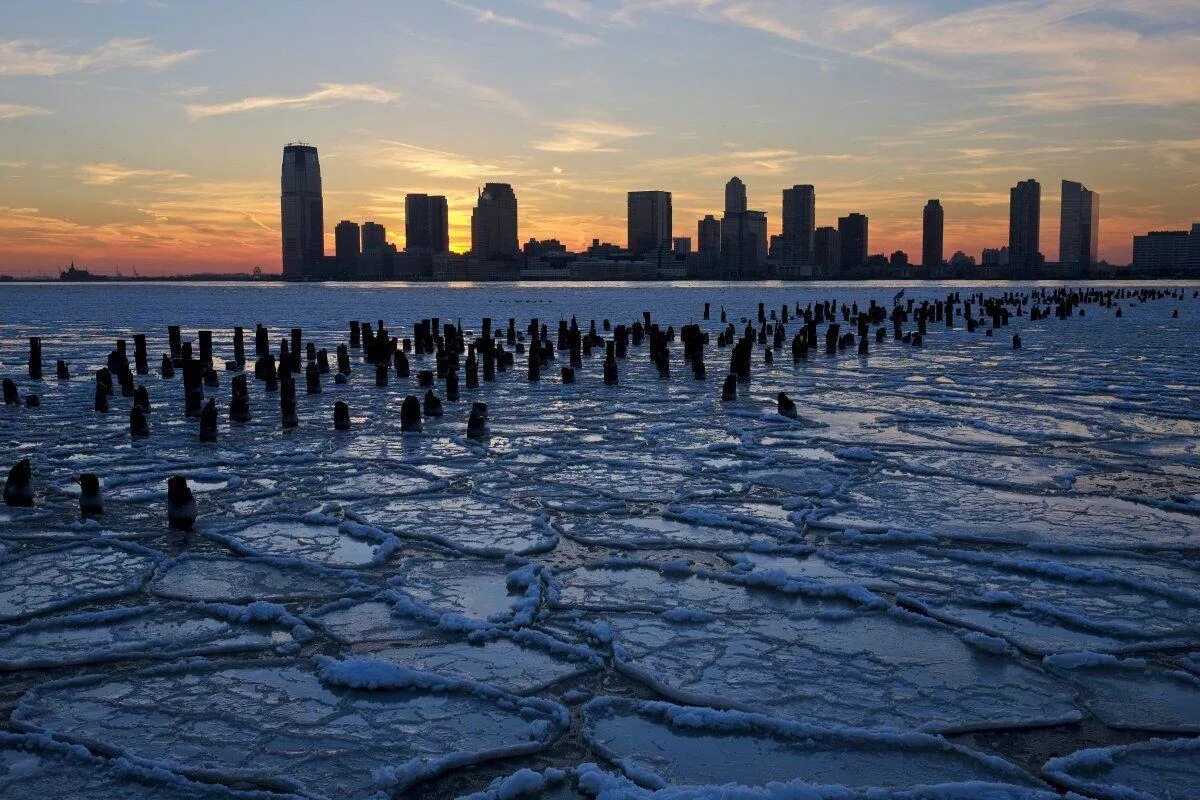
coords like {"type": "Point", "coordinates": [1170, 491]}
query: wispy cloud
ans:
{"type": "Point", "coordinates": [433, 162]}
{"type": "Point", "coordinates": [327, 94]}
{"type": "Point", "coordinates": [587, 136]}
{"type": "Point", "coordinates": [30, 57]}
{"type": "Point", "coordinates": [108, 173]}
{"type": "Point", "coordinates": [11, 111]}
{"type": "Point", "coordinates": [488, 17]}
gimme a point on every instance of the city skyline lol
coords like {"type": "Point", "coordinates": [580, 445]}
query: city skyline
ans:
{"type": "Point", "coordinates": [147, 135]}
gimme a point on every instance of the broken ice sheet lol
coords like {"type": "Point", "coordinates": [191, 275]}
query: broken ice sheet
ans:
{"type": "Point", "coordinates": [1129, 694]}
{"type": "Point", "coordinates": [203, 577]}
{"type": "Point", "coordinates": [833, 664]}
{"type": "Point", "coordinates": [163, 631]}
{"type": "Point", "coordinates": [953, 509]}
{"type": "Point", "coordinates": [1157, 769]}
{"type": "Point", "coordinates": [658, 532]}
{"type": "Point", "coordinates": [658, 744]}
{"type": "Point", "coordinates": [521, 663]}
{"type": "Point", "coordinates": [319, 540]}
{"type": "Point", "coordinates": [36, 768]}
{"type": "Point", "coordinates": [476, 525]}
{"type": "Point", "coordinates": [467, 592]}
{"type": "Point", "coordinates": [65, 576]}
{"type": "Point", "coordinates": [292, 725]}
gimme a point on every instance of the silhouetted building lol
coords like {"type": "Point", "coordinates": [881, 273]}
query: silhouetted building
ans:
{"type": "Point", "coordinates": [744, 242]}
{"type": "Point", "coordinates": [1079, 232]}
{"type": "Point", "coordinates": [995, 256]}
{"type": "Point", "coordinates": [600, 248]}
{"type": "Point", "coordinates": [735, 196]}
{"type": "Point", "coordinates": [898, 260]}
{"type": "Point", "coordinates": [799, 223]}
{"type": "Point", "coordinates": [347, 244]}
{"type": "Point", "coordinates": [1164, 253]}
{"type": "Point", "coordinates": [426, 224]}
{"type": "Point", "coordinates": [962, 263]}
{"type": "Point", "coordinates": [374, 237]}
{"type": "Point", "coordinates": [1194, 250]}
{"type": "Point", "coordinates": [852, 233]}
{"type": "Point", "coordinates": [494, 223]}
{"type": "Point", "coordinates": [708, 235]}
{"type": "Point", "coordinates": [827, 251]}
{"type": "Point", "coordinates": [649, 222]}
{"type": "Point", "coordinates": [1024, 227]}
{"type": "Point", "coordinates": [682, 245]}
{"type": "Point", "coordinates": [932, 228]}
{"type": "Point", "coordinates": [302, 214]}
{"type": "Point", "coordinates": [535, 248]}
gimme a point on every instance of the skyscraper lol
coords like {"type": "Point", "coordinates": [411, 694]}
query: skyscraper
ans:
{"type": "Point", "coordinates": [494, 223]}
{"type": "Point", "coordinates": [374, 237]}
{"type": "Point", "coordinates": [649, 222]}
{"type": "Point", "coordinates": [1024, 227]}
{"type": "Point", "coordinates": [735, 196]}
{"type": "Point", "coordinates": [744, 239]}
{"type": "Point", "coordinates": [852, 233]}
{"type": "Point", "coordinates": [799, 223]}
{"type": "Point", "coordinates": [347, 246]}
{"type": "Point", "coordinates": [302, 214]}
{"type": "Point", "coordinates": [1079, 231]}
{"type": "Point", "coordinates": [426, 223]}
{"type": "Point", "coordinates": [708, 235]}
{"type": "Point", "coordinates": [931, 238]}
{"type": "Point", "coordinates": [827, 252]}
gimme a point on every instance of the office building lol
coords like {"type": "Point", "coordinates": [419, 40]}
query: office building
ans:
{"type": "Point", "coordinates": [1079, 231]}
{"type": "Point", "coordinates": [649, 222]}
{"type": "Point", "coordinates": [374, 237]}
{"type": "Point", "coordinates": [1024, 228]}
{"type": "Point", "coordinates": [799, 223]}
{"type": "Point", "coordinates": [932, 229]}
{"type": "Point", "coordinates": [827, 251]}
{"type": "Point", "coordinates": [1164, 253]}
{"type": "Point", "coordinates": [852, 235]}
{"type": "Point", "coordinates": [347, 244]}
{"type": "Point", "coordinates": [302, 213]}
{"type": "Point", "coordinates": [426, 224]}
{"type": "Point", "coordinates": [708, 235]}
{"type": "Point", "coordinates": [735, 196]}
{"type": "Point", "coordinates": [494, 223]}
{"type": "Point", "coordinates": [682, 245]}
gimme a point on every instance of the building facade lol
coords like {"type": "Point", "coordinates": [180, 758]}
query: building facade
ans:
{"type": "Point", "coordinates": [649, 222]}
{"type": "Point", "coordinates": [426, 224]}
{"type": "Point", "coordinates": [302, 213]}
{"type": "Point", "coordinates": [852, 234]}
{"type": "Point", "coordinates": [1165, 253]}
{"type": "Point", "coordinates": [1024, 228]}
{"type": "Point", "coordinates": [932, 235]}
{"type": "Point", "coordinates": [494, 223]}
{"type": "Point", "coordinates": [827, 252]}
{"type": "Point", "coordinates": [708, 235]}
{"type": "Point", "coordinates": [799, 223]}
{"type": "Point", "coordinates": [1079, 231]}
{"type": "Point", "coordinates": [347, 240]}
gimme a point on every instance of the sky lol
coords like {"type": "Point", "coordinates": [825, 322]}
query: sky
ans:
{"type": "Point", "coordinates": [148, 134]}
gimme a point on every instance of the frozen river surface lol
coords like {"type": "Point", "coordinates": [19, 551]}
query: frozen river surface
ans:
{"type": "Point", "coordinates": [963, 570]}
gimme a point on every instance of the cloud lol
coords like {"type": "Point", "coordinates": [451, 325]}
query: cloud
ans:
{"type": "Point", "coordinates": [587, 136]}
{"type": "Point", "coordinates": [429, 161]}
{"type": "Point", "coordinates": [10, 111]}
{"type": "Point", "coordinates": [29, 57]}
{"type": "Point", "coordinates": [488, 17]}
{"type": "Point", "coordinates": [327, 94]}
{"type": "Point", "coordinates": [109, 173]}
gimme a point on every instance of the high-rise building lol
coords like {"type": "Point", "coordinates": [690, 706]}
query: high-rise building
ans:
{"type": "Point", "coordinates": [735, 196]}
{"type": "Point", "coordinates": [827, 251]}
{"type": "Point", "coordinates": [426, 224]}
{"type": "Point", "coordinates": [302, 214]}
{"type": "Point", "coordinates": [1024, 227]}
{"type": "Point", "coordinates": [1079, 232]}
{"type": "Point", "coordinates": [374, 237]}
{"type": "Point", "coordinates": [347, 246]}
{"type": "Point", "coordinates": [931, 238]}
{"type": "Point", "coordinates": [708, 235]}
{"type": "Point", "coordinates": [682, 245]}
{"type": "Point", "coordinates": [1194, 251]}
{"type": "Point", "coordinates": [494, 223]}
{"type": "Point", "coordinates": [799, 223]}
{"type": "Point", "coordinates": [649, 222]}
{"type": "Point", "coordinates": [852, 233]}
{"type": "Point", "coordinates": [1164, 253]}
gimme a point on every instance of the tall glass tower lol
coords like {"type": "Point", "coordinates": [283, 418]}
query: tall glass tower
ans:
{"type": "Point", "coordinates": [301, 211]}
